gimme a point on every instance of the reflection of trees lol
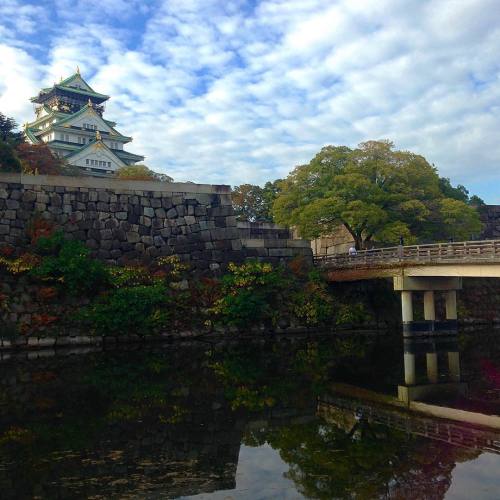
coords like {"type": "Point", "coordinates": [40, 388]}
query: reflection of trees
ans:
{"type": "Point", "coordinates": [374, 462]}
{"type": "Point", "coordinates": [259, 377]}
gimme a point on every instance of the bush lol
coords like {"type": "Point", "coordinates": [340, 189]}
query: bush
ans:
{"type": "Point", "coordinates": [139, 309]}
{"type": "Point", "coordinates": [251, 294]}
{"type": "Point", "coordinates": [70, 265]}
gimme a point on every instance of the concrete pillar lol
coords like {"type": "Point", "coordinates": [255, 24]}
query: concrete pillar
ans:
{"type": "Point", "coordinates": [429, 308]}
{"type": "Point", "coordinates": [432, 367]}
{"type": "Point", "coordinates": [451, 304]}
{"type": "Point", "coordinates": [407, 306]}
{"type": "Point", "coordinates": [409, 362]}
{"type": "Point", "coordinates": [454, 366]}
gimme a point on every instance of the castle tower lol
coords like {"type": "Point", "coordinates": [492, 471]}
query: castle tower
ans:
{"type": "Point", "coordinates": [69, 118]}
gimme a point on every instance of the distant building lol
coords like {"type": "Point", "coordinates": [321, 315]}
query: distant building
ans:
{"type": "Point", "coordinates": [69, 118]}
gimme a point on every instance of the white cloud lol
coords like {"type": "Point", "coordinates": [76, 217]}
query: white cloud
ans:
{"type": "Point", "coordinates": [240, 92]}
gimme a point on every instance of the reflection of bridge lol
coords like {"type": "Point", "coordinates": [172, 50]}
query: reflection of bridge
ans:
{"type": "Point", "coordinates": [420, 268]}
{"type": "Point", "coordinates": [342, 411]}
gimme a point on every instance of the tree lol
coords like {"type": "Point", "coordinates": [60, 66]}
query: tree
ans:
{"type": "Point", "coordinates": [377, 193]}
{"type": "Point", "coordinates": [141, 173]}
{"type": "Point", "coordinates": [9, 162]}
{"type": "Point", "coordinates": [39, 159]}
{"type": "Point", "coordinates": [254, 203]}
{"type": "Point", "coordinates": [7, 131]}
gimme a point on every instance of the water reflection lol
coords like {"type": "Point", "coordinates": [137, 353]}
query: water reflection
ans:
{"type": "Point", "coordinates": [253, 420]}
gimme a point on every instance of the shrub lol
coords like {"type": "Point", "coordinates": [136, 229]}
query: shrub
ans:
{"type": "Point", "coordinates": [71, 265]}
{"type": "Point", "coordinates": [311, 303]}
{"type": "Point", "coordinates": [250, 294]}
{"type": "Point", "coordinates": [138, 309]}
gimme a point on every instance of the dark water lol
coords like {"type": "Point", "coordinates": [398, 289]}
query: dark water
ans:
{"type": "Point", "coordinates": [249, 420]}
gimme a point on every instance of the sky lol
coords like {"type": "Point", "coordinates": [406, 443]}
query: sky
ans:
{"type": "Point", "coordinates": [235, 91]}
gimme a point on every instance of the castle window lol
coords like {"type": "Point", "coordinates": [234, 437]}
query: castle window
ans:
{"type": "Point", "coordinates": [87, 161]}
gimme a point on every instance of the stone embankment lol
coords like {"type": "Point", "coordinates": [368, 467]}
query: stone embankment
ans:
{"type": "Point", "coordinates": [122, 221]}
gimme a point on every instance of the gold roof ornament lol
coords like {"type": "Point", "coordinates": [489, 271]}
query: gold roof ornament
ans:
{"type": "Point", "coordinates": [98, 135]}
{"type": "Point", "coordinates": [78, 70]}
{"type": "Point", "coordinates": [90, 104]}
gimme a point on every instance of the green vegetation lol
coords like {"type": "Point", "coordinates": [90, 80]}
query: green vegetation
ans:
{"type": "Point", "coordinates": [141, 173]}
{"type": "Point", "coordinates": [378, 194]}
{"type": "Point", "coordinates": [69, 262]}
{"type": "Point", "coordinates": [163, 296]}
{"type": "Point", "coordinates": [253, 203]}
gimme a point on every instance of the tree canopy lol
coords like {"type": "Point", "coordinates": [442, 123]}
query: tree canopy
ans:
{"type": "Point", "coordinates": [378, 194]}
{"type": "Point", "coordinates": [254, 203]}
{"type": "Point", "coordinates": [8, 131]}
{"type": "Point", "coordinates": [141, 173]}
{"type": "Point", "coordinates": [39, 159]}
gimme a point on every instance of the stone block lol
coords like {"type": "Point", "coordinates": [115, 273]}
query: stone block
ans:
{"type": "Point", "coordinates": [12, 204]}
{"type": "Point", "coordinates": [133, 237]}
{"type": "Point", "coordinates": [280, 252]}
{"type": "Point", "coordinates": [172, 213]}
{"type": "Point", "coordinates": [190, 219]}
{"type": "Point", "coordinates": [155, 203]}
{"type": "Point", "coordinates": [102, 196]}
{"type": "Point", "coordinates": [181, 210]}
{"type": "Point", "coordinates": [55, 200]}
{"type": "Point", "coordinates": [106, 234]}
{"type": "Point", "coordinates": [28, 196]}
{"type": "Point", "coordinates": [166, 203]}
{"type": "Point", "coordinates": [4, 229]}
{"type": "Point", "coordinates": [149, 212]}
{"type": "Point", "coordinates": [145, 221]}
{"type": "Point", "coordinates": [160, 213]}
{"type": "Point", "coordinates": [145, 202]}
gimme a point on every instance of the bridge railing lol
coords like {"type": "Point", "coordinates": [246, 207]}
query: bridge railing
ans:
{"type": "Point", "coordinates": [463, 251]}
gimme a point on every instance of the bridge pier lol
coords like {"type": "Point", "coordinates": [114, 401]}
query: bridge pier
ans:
{"type": "Point", "coordinates": [439, 382]}
{"type": "Point", "coordinates": [428, 285]}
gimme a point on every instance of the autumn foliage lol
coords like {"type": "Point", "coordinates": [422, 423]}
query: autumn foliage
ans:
{"type": "Point", "coordinates": [38, 159]}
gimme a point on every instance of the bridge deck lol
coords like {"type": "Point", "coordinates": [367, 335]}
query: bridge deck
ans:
{"type": "Point", "coordinates": [466, 258]}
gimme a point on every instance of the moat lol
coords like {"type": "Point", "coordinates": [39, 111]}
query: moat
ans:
{"type": "Point", "coordinates": [255, 420]}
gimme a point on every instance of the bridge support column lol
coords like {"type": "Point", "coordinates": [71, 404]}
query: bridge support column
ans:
{"type": "Point", "coordinates": [407, 309]}
{"type": "Point", "coordinates": [409, 362]}
{"type": "Point", "coordinates": [454, 366]}
{"type": "Point", "coordinates": [451, 304]}
{"type": "Point", "coordinates": [429, 307]}
{"type": "Point", "coordinates": [428, 285]}
{"type": "Point", "coordinates": [432, 367]}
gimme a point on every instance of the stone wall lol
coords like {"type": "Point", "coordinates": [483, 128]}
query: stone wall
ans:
{"type": "Point", "coordinates": [122, 221]}
{"type": "Point", "coordinates": [491, 218]}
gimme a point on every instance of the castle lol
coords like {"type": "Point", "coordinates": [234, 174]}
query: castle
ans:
{"type": "Point", "coordinates": [69, 119]}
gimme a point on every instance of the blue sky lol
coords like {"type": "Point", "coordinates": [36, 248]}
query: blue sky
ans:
{"type": "Point", "coordinates": [242, 91]}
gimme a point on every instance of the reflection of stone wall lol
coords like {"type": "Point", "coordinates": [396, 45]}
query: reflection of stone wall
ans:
{"type": "Point", "coordinates": [127, 220]}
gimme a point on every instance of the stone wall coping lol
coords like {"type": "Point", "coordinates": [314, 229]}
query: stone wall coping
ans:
{"type": "Point", "coordinates": [113, 184]}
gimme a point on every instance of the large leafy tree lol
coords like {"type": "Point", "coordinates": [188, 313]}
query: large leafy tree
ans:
{"type": "Point", "coordinates": [254, 203]}
{"type": "Point", "coordinates": [377, 193]}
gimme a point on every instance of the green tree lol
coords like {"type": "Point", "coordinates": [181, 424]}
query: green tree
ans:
{"type": "Point", "coordinates": [141, 173]}
{"type": "Point", "coordinates": [377, 193]}
{"type": "Point", "coordinates": [254, 203]}
{"type": "Point", "coordinates": [9, 162]}
{"type": "Point", "coordinates": [8, 132]}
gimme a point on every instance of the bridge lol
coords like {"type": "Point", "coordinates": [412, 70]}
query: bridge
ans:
{"type": "Point", "coordinates": [419, 268]}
